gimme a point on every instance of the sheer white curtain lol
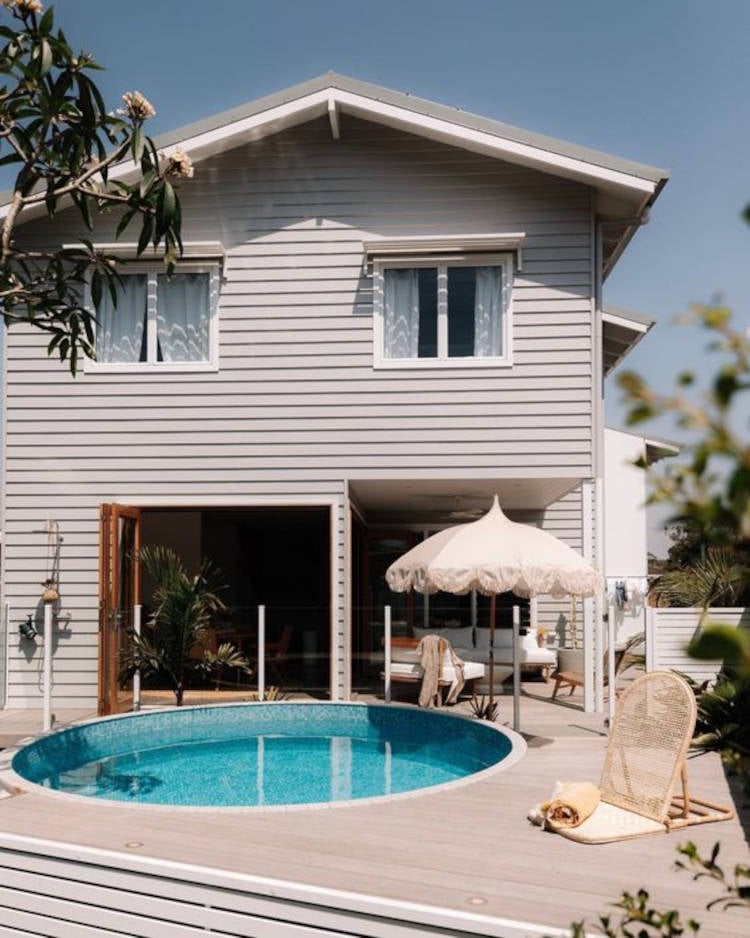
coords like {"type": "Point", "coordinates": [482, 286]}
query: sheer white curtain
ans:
{"type": "Point", "coordinates": [488, 312]}
{"type": "Point", "coordinates": [401, 313]}
{"type": "Point", "coordinates": [183, 317]}
{"type": "Point", "coordinates": [119, 333]}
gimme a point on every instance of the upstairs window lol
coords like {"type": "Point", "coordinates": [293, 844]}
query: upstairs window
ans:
{"type": "Point", "coordinates": [445, 313]}
{"type": "Point", "coordinates": [159, 321]}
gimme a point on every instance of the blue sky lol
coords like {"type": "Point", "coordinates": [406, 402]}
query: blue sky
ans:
{"type": "Point", "coordinates": [664, 82]}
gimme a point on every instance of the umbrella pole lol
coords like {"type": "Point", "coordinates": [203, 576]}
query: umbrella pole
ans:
{"type": "Point", "coordinates": [492, 653]}
{"type": "Point", "coordinates": [516, 669]}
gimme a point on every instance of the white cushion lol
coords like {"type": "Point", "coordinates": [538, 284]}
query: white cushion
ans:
{"type": "Point", "coordinates": [401, 654]}
{"type": "Point", "coordinates": [610, 823]}
{"type": "Point", "coordinates": [473, 670]}
{"type": "Point", "coordinates": [529, 652]}
{"type": "Point", "coordinates": [405, 663]}
{"type": "Point", "coordinates": [402, 670]}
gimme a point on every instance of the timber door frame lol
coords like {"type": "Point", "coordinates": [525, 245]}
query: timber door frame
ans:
{"type": "Point", "coordinates": [110, 616]}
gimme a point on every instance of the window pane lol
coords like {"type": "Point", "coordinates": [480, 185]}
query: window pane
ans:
{"type": "Point", "coordinates": [428, 312]}
{"type": "Point", "coordinates": [410, 312]}
{"type": "Point", "coordinates": [461, 293]}
{"type": "Point", "coordinates": [121, 329]}
{"type": "Point", "coordinates": [183, 315]}
{"type": "Point", "coordinates": [488, 312]}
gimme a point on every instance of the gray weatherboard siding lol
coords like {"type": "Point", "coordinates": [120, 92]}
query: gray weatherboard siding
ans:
{"type": "Point", "coordinates": [296, 407]}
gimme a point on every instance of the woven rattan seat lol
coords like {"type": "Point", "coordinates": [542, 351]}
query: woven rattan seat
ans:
{"type": "Point", "coordinates": [646, 754]}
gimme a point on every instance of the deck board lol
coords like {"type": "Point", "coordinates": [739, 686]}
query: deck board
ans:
{"type": "Point", "coordinates": [441, 849]}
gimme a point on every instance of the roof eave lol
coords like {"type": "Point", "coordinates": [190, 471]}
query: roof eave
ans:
{"type": "Point", "coordinates": [634, 182]}
{"type": "Point", "coordinates": [631, 328]}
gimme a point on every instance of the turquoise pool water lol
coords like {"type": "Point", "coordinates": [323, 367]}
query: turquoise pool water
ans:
{"type": "Point", "coordinates": [262, 754]}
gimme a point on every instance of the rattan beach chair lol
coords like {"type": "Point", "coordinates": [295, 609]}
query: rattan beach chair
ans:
{"type": "Point", "coordinates": [645, 757]}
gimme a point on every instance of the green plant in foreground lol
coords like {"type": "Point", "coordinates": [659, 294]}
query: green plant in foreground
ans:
{"type": "Point", "coordinates": [480, 708]}
{"type": "Point", "coordinates": [639, 919]}
{"type": "Point", "coordinates": [176, 640]}
{"type": "Point", "coordinates": [736, 890]}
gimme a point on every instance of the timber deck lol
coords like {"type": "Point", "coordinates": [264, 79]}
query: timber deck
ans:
{"type": "Point", "coordinates": [467, 853]}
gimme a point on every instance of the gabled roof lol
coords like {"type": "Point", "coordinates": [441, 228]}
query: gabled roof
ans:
{"type": "Point", "coordinates": [625, 189]}
{"type": "Point", "coordinates": [343, 91]}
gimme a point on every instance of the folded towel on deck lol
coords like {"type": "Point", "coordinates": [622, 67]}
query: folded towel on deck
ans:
{"type": "Point", "coordinates": [571, 803]}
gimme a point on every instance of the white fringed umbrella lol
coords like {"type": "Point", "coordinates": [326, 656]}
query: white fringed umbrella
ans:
{"type": "Point", "coordinates": [494, 555]}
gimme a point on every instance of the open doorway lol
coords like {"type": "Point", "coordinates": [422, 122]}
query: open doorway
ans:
{"type": "Point", "coordinates": [277, 557]}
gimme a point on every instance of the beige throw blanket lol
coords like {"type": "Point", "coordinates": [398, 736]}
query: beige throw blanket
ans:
{"type": "Point", "coordinates": [430, 651]}
{"type": "Point", "coordinates": [570, 805]}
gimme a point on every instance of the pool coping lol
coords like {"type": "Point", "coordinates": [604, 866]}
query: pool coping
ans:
{"type": "Point", "coordinates": [9, 779]}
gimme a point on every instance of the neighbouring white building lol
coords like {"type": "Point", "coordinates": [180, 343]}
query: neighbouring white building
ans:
{"type": "Point", "coordinates": [625, 524]}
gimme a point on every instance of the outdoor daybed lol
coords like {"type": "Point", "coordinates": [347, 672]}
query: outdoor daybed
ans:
{"type": "Point", "coordinates": [474, 645]}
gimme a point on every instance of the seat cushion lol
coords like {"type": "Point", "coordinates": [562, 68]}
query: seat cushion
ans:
{"type": "Point", "coordinates": [529, 652]}
{"type": "Point", "coordinates": [609, 823]}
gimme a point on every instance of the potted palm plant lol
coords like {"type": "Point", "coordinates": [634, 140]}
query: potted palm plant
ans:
{"type": "Point", "coordinates": [176, 640]}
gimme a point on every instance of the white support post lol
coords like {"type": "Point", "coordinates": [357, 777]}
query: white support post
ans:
{"type": "Point", "coordinates": [137, 676]}
{"type": "Point", "coordinates": [261, 652]}
{"type": "Point", "coordinates": [589, 639]}
{"type": "Point", "coordinates": [597, 608]}
{"type": "Point", "coordinates": [387, 652]}
{"type": "Point", "coordinates": [590, 650]}
{"type": "Point", "coordinates": [516, 669]}
{"type": "Point", "coordinates": [651, 615]}
{"type": "Point", "coordinates": [611, 661]}
{"type": "Point", "coordinates": [47, 669]}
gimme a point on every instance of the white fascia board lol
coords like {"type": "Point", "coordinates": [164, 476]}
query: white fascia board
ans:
{"type": "Point", "coordinates": [129, 250]}
{"type": "Point", "coordinates": [658, 449]}
{"type": "Point", "coordinates": [480, 141]}
{"type": "Point", "coordinates": [631, 324]}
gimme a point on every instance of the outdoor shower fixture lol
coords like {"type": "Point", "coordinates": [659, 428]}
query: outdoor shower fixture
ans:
{"type": "Point", "coordinates": [50, 598]}
{"type": "Point", "coordinates": [27, 629]}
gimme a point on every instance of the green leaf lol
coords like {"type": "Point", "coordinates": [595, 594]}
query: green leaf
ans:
{"type": "Point", "coordinates": [137, 144]}
{"type": "Point", "coordinates": [45, 58]}
{"type": "Point", "coordinates": [96, 288]}
{"type": "Point", "coordinates": [47, 21]}
{"type": "Point", "coordinates": [640, 413]}
{"type": "Point", "coordinates": [146, 234]}
{"type": "Point", "coordinates": [725, 387]}
{"type": "Point", "coordinates": [124, 222]}
{"type": "Point", "coordinates": [165, 208]}
{"type": "Point", "coordinates": [719, 642]}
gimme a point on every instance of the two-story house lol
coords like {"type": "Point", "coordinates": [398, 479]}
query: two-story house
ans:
{"type": "Point", "coordinates": [388, 311]}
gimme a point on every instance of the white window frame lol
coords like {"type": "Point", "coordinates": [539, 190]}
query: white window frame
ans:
{"type": "Point", "coordinates": [152, 272]}
{"type": "Point", "coordinates": [442, 263]}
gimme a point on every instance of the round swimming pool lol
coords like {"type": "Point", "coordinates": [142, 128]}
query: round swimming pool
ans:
{"type": "Point", "coordinates": [265, 754]}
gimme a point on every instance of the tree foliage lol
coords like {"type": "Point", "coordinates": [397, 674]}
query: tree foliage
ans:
{"type": "Point", "coordinates": [710, 493]}
{"type": "Point", "coordinates": [68, 149]}
{"type": "Point", "coordinates": [713, 578]}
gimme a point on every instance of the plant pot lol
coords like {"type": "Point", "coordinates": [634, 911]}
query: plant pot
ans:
{"type": "Point", "coordinates": [570, 660]}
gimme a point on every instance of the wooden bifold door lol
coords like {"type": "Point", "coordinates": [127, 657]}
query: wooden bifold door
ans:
{"type": "Point", "coordinates": [119, 593]}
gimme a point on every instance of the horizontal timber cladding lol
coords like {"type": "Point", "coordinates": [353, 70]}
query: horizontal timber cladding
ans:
{"type": "Point", "coordinates": [565, 519]}
{"type": "Point", "coordinates": [295, 406]}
